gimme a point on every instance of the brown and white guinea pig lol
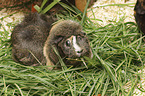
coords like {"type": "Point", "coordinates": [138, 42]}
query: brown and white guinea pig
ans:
{"type": "Point", "coordinates": [70, 41]}
{"type": "Point", "coordinates": [33, 41]}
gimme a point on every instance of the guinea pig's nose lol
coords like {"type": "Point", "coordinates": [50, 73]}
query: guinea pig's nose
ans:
{"type": "Point", "coordinates": [80, 51]}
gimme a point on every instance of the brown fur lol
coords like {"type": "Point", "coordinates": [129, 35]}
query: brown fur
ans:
{"type": "Point", "coordinates": [139, 13]}
{"type": "Point", "coordinates": [30, 35]}
{"type": "Point", "coordinates": [34, 38]}
{"type": "Point", "coordinates": [57, 38]}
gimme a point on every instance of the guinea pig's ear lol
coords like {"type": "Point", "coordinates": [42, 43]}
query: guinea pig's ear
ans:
{"type": "Point", "coordinates": [58, 39]}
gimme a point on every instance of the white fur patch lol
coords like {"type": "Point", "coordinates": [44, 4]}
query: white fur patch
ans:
{"type": "Point", "coordinates": [75, 45]}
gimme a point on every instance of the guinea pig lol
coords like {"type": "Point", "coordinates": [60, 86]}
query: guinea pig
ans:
{"type": "Point", "coordinates": [29, 37]}
{"type": "Point", "coordinates": [139, 13]}
{"type": "Point", "coordinates": [34, 40]}
{"type": "Point", "coordinates": [70, 41]}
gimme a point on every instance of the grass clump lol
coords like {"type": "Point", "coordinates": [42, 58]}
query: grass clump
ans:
{"type": "Point", "coordinates": [118, 51]}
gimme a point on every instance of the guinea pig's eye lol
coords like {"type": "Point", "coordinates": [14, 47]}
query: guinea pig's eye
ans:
{"type": "Point", "coordinates": [67, 43]}
{"type": "Point", "coordinates": [83, 33]}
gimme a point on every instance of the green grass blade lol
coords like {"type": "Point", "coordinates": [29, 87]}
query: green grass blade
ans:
{"type": "Point", "coordinates": [42, 80]}
{"type": "Point", "coordinates": [67, 7]}
{"type": "Point", "coordinates": [43, 3]}
{"type": "Point", "coordinates": [108, 69]}
{"type": "Point", "coordinates": [85, 11]}
{"type": "Point", "coordinates": [37, 8]}
{"type": "Point", "coordinates": [19, 89]}
{"type": "Point", "coordinates": [60, 59]}
{"type": "Point", "coordinates": [49, 6]}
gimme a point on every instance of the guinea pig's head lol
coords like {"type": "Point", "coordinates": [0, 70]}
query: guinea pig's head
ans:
{"type": "Point", "coordinates": [75, 46]}
{"type": "Point", "coordinates": [70, 41]}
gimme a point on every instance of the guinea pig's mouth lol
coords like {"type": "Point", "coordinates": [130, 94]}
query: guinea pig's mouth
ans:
{"type": "Point", "coordinates": [75, 58]}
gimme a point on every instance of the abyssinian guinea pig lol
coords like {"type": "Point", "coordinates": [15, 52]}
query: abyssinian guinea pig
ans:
{"type": "Point", "coordinates": [34, 40]}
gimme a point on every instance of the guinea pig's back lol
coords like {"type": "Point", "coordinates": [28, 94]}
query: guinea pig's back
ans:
{"type": "Point", "coordinates": [29, 36]}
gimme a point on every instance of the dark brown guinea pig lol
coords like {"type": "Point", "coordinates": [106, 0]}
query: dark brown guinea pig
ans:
{"type": "Point", "coordinates": [139, 13]}
{"type": "Point", "coordinates": [33, 39]}
{"type": "Point", "coordinates": [70, 41]}
{"type": "Point", "coordinates": [29, 37]}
